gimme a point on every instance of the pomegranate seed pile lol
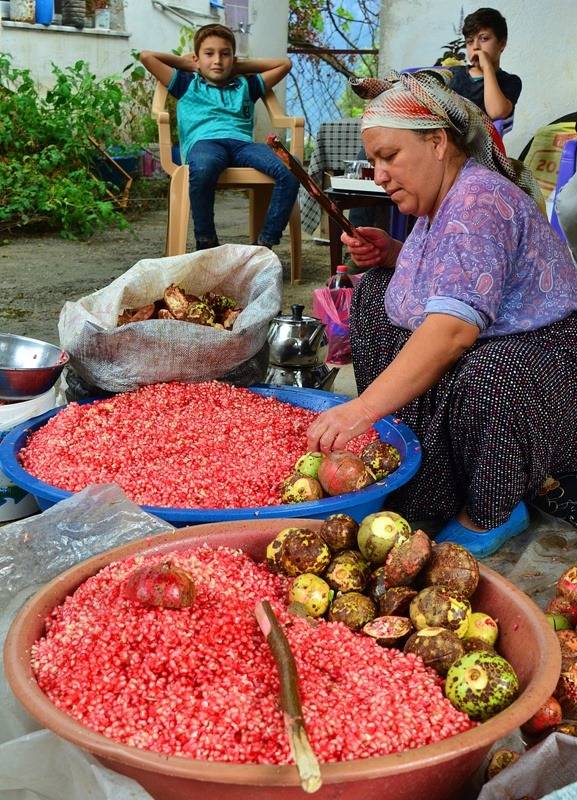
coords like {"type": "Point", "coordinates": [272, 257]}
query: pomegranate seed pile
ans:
{"type": "Point", "coordinates": [201, 682]}
{"type": "Point", "coordinates": [204, 445]}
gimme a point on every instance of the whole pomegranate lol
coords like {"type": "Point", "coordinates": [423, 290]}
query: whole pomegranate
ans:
{"type": "Point", "coordinates": [163, 585]}
{"type": "Point", "coordinates": [341, 472]}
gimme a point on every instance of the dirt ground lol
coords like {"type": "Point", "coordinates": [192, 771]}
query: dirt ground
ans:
{"type": "Point", "coordinates": [40, 272]}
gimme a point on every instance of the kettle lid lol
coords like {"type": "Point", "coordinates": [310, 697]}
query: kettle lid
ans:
{"type": "Point", "coordinates": [297, 316]}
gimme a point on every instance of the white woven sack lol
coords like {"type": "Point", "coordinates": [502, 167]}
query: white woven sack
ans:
{"type": "Point", "coordinates": [120, 359]}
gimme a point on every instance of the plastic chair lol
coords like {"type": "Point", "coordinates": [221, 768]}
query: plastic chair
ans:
{"type": "Point", "coordinates": [567, 168]}
{"type": "Point", "coordinates": [504, 125]}
{"type": "Point", "coordinates": [258, 185]}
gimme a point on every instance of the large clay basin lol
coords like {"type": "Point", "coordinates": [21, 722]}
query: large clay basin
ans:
{"type": "Point", "coordinates": [435, 772]}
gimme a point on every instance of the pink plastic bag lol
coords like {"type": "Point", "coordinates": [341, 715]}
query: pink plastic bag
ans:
{"type": "Point", "coordinates": [333, 307]}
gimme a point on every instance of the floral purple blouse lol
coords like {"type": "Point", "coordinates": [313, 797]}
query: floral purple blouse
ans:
{"type": "Point", "coordinates": [489, 257]}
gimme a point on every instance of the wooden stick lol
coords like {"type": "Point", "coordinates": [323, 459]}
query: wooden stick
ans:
{"type": "Point", "coordinates": [311, 186]}
{"type": "Point", "coordinates": [306, 761]}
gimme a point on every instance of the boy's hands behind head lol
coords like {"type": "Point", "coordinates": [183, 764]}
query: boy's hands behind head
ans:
{"type": "Point", "coordinates": [190, 64]}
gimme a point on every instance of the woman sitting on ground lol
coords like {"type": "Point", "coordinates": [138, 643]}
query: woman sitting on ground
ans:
{"type": "Point", "coordinates": [467, 331]}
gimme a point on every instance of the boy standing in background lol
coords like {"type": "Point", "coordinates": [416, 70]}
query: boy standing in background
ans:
{"type": "Point", "coordinates": [215, 96]}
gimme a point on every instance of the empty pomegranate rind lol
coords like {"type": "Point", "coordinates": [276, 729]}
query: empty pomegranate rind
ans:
{"type": "Point", "coordinates": [136, 314]}
{"type": "Point", "coordinates": [229, 318]}
{"type": "Point", "coordinates": [218, 310]}
{"type": "Point", "coordinates": [176, 301]}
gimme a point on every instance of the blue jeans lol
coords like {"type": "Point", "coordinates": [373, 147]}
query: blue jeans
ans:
{"type": "Point", "coordinates": [209, 157]}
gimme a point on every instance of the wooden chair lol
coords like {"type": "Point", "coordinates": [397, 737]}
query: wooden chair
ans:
{"type": "Point", "coordinates": [259, 186]}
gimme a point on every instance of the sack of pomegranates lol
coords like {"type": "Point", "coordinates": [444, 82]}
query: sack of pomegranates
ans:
{"type": "Point", "coordinates": [123, 336]}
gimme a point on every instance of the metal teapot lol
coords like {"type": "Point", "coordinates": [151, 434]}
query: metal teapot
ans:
{"type": "Point", "coordinates": [297, 341]}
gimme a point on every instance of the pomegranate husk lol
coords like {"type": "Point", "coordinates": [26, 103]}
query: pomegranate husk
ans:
{"type": "Point", "coordinates": [564, 606]}
{"type": "Point", "coordinates": [567, 584]}
{"type": "Point", "coordinates": [406, 560]}
{"type": "Point", "coordinates": [566, 691]}
{"type": "Point", "coordinates": [499, 760]}
{"type": "Point", "coordinates": [568, 645]}
{"type": "Point", "coordinates": [160, 585]}
{"type": "Point", "coordinates": [547, 717]}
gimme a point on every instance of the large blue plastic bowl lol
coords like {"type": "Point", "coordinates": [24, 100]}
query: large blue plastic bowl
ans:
{"type": "Point", "coordinates": [357, 504]}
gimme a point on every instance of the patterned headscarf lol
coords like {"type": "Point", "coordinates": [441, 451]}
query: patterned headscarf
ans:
{"type": "Point", "coordinates": [422, 100]}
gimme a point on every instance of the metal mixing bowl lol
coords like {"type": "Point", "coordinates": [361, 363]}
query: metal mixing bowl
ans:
{"type": "Point", "coordinates": [28, 367]}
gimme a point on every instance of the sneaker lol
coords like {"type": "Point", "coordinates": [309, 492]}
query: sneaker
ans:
{"type": "Point", "coordinates": [558, 497]}
{"type": "Point", "coordinates": [485, 543]}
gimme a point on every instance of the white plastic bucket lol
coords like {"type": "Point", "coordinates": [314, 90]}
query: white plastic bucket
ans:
{"type": "Point", "coordinates": [102, 18]}
{"type": "Point", "coordinates": [15, 503]}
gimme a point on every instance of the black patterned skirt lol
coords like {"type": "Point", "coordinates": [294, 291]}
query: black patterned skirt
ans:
{"type": "Point", "coordinates": [500, 421]}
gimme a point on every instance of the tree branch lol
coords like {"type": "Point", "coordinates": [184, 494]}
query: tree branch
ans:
{"type": "Point", "coordinates": [320, 53]}
{"type": "Point", "coordinates": [341, 32]}
{"type": "Point", "coordinates": [301, 101]}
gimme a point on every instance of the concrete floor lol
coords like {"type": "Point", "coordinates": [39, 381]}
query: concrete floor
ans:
{"type": "Point", "coordinates": [345, 381]}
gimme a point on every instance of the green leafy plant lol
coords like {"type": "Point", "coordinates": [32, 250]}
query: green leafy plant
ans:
{"type": "Point", "coordinates": [46, 156]}
{"type": "Point", "coordinates": [185, 40]}
{"type": "Point", "coordinates": [453, 54]}
{"type": "Point", "coordinates": [138, 128]}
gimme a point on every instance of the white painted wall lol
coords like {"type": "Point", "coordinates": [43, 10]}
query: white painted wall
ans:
{"type": "Point", "coordinates": [146, 27]}
{"type": "Point", "coordinates": [541, 50]}
{"type": "Point", "coordinates": [268, 39]}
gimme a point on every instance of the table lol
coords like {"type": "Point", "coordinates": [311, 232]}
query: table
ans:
{"type": "Point", "coordinates": [398, 225]}
{"type": "Point", "coordinates": [336, 142]}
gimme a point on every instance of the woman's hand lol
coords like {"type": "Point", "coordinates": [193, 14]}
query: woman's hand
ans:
{"type": "Point", "coordinates": [431, 350]}
{"type": "Point", "coordinates": [332, 429]}
{"type": "Point", "coordinates": [375, 249]}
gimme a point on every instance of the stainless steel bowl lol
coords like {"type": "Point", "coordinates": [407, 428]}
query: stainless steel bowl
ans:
{"type": "Point", "coordinates": [28, 367]}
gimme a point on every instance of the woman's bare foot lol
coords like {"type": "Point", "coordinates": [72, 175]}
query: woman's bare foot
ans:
{"type": "Point", "coordinates": [467, 522]}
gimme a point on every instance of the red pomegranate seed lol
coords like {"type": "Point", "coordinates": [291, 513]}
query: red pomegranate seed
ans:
{"type": "Point", "coordinates": [205, 445]}
{"type": "Point", "coordinates": [201, 681]}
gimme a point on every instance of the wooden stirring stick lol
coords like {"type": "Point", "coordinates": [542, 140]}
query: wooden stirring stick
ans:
{"type": "Point", "coordinates": [312, 188]}
{"type": "Point", "coordinates": [306, 761]}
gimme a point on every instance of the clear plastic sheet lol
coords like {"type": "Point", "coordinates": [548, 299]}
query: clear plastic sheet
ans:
{"type": "Point", "coordinates": [37, 765]}
{"type": "Point", "coordinates": [59, 771]}
{"type": "Point", "coordinates": [36, 549]}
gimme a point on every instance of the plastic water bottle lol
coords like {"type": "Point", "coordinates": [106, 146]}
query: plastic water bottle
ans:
{"type": "Point", "coordinates": [341, 279]}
